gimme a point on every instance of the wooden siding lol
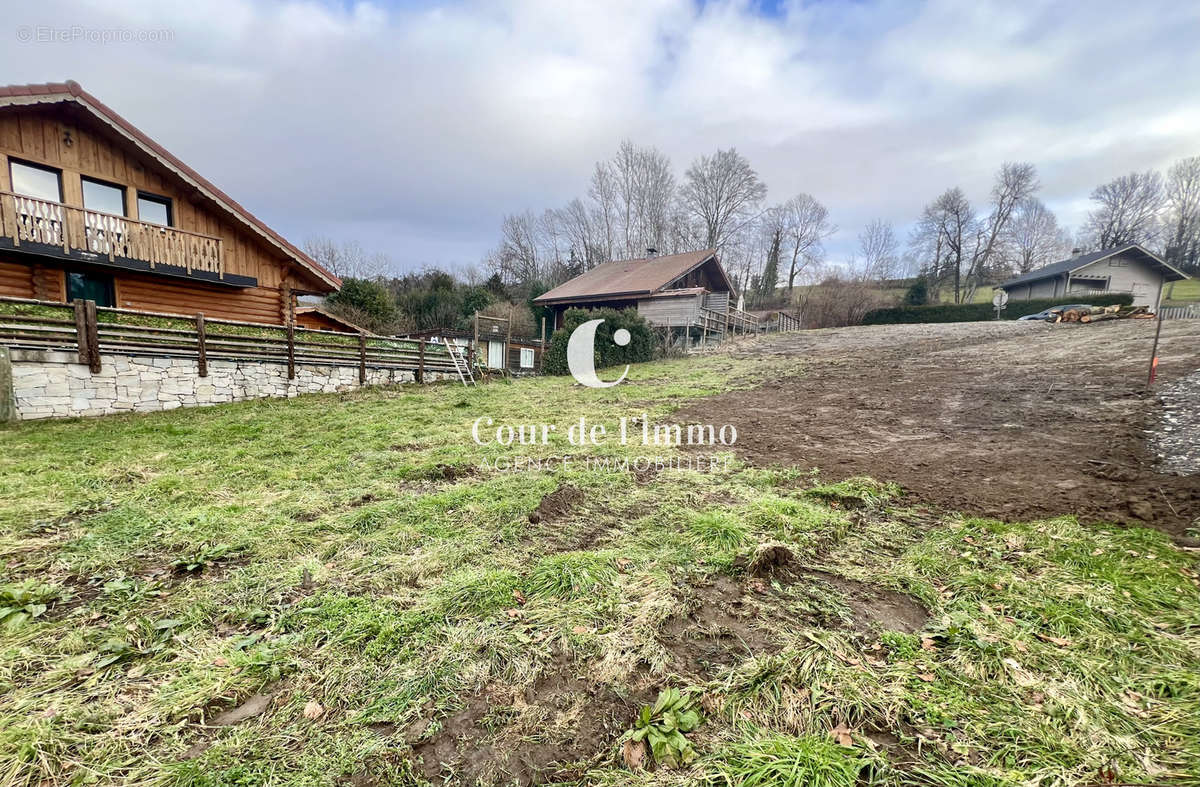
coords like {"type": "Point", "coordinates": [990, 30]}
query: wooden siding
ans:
{"type": "Point", "coordinates": [675, 310]}
{"type": "Point", "coordinates": [39, 135]}
{"type": "Point", "coordinates": [717, 301]}
{"type": "Point", "coordinates": [706, 276]}
{"type": "Point", "coordinates": [147, 292]}
{"type": "Point", "coordinates": [16, 280]}
{"type": "Point", "coordinates": [320, 322]}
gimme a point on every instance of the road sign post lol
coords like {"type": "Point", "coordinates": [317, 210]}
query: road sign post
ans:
{"type": "Point", "coordinates": [1000, 300]}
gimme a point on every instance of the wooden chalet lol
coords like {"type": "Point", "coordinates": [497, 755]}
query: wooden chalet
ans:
{"type": "Point", "coordinates": [93, 209]}
{"type": "Point", "coordinates": [318, 318]}
{"type": "Point", "coordinates": [688, 291]}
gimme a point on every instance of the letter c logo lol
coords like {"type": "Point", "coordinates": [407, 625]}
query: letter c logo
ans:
{"type": "Point", "coordinates": [581, 354]}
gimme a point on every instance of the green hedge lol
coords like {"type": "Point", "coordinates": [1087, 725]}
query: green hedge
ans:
{"type": "Point", "coordinates": [608, 353]}
{"type": "Point", "coordinates": [976, 312]}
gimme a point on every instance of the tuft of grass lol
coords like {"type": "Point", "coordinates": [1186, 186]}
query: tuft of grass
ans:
{"type": "Point", "coordinates": [857, 492]}
{"type": "Point", "coordinates": [718, 528]}
{"type": "Point", "coordinates": [572, 575]}
{"type": "Point", "coordinates": [774, 760]}
{"type": "Point", "coordinates": [479, 592]}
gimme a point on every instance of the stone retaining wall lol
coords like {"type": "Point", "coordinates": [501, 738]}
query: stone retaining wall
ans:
{"type": "Point", "coordinates": [54, 385]}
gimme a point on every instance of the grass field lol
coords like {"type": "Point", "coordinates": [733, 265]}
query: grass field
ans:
{"type": "Point", "coordinates": [1181, 293]}
{"type": "Point", "coordinates": [341, 573]}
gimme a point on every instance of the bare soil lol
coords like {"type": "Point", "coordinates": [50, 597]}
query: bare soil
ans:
{"type": "Point", "coordinates": [549, 732]}
{"type": "Point", "coordinates": [1014, 420]}
{"type": "Point", "coordinates": [552, 730]}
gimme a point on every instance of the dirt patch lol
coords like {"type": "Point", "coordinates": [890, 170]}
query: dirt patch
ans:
{"type": "Point", "coordinates": [875, 607]}
{"type": "Point", "coordinates": [557, 505]}
{"type": "Point", "coordinates": [772, 560]}
{"type": "Point", "coordinates": [444, 472]}
{"type": "Point", "coordinates": [1010, 420]}
{"type": "Point", "coordinates": [564, 527]}
{"type": "Point", "coordinates": [550, 731]}
{"type": "Point", "coordinates": [721, 628]}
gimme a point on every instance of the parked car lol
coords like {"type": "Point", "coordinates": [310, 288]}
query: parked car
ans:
{"type": "Point", "coordinates": [1046, 315]}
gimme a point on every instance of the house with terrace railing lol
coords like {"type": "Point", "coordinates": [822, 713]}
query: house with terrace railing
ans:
{"type": "Point", "coordinates": [93, 209]}
{"type": "Point", "coordinates": [688, 294]}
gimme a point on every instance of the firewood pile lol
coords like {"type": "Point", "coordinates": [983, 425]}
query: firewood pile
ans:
{"type": "Point", "coordinates": [1101, 313]}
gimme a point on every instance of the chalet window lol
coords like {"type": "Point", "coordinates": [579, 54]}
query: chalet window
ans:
{"type": "Point", "coordinates": [104, 203]}
{"type": "Point", "coordinates": [34, 180]}
{"type": "Point", "coordinates": [89, 286]}
{"type": "Point", "coordinates": [39, 213]}
{"type": "Point", "coordinates": [156, 210]}
{"type": "Point", "coordinates": [526, 358]}
{"type": "Point", "coordinates": [103, 197]}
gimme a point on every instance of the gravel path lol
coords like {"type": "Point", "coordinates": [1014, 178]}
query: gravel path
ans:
{"type": "Point", "coordinates": [1175, 437]}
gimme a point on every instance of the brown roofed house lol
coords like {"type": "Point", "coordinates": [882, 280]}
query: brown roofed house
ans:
{"type": "Point", "coordinates": [318, 318]}
{"type": "Point", "coordinates": [688, 290]}
{"type": "Point", "coordinates": [93, 209]}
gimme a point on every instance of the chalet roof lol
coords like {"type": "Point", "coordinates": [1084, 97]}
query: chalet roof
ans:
{"type": "Point", "coordinates": [330, 316]}
{"type": "Point", "coordinates": [1083, 260]}
{"type": "Point", "coordinates": [631, 278]}
{"type": "Point", "coordinates": [71, 92]}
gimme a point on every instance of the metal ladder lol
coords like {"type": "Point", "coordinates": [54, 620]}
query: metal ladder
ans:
{"type": "Point", "coordinates": [460, 364]}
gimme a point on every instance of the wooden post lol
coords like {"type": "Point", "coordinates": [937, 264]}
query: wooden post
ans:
{"type": "Point", "coordinates": [542, 351]}
{"type": "Point", "coordinates": [1154, 353]}
{"type": "Point", "coordinates": [8, 405]}
{"type": "Point", "coordinates": [476, 342]}
{"type": "Point", "coordinates": [291, 336]}
{"type": "Point", "coordinates": [508, 341]}
{"type": "Point", "coordinates": [420, 360]}
{"type": "Point", "coordinates": [81, 332]}
{"type": "Point", "coordinates": [93, 336]}
{"type": "Point", "coordinates": [201, 348]}
{"type": "Point", "coordinates": [362, 358]}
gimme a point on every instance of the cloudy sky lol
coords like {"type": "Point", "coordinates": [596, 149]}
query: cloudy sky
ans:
{"type": "Point", "coordinates": [413, 127]}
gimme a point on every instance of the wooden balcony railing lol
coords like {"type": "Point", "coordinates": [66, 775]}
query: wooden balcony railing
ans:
{"type": "Point", "coordinates": [742, 322]}
{"type": "Point", "coordinates": [84, 234]}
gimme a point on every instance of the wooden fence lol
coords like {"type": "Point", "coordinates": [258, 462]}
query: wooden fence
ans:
{"type": "Point", "coordinates": [91, 331]}
{"type": "Point", "coordinates": [1189, 312]}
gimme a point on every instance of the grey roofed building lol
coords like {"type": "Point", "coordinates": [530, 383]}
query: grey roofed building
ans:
{"type": "Point", "coordinates": [1128, 268]}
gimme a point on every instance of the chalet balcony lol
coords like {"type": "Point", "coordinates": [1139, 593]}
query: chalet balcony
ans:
{"type": "Point", "coordinates": [50, 228]}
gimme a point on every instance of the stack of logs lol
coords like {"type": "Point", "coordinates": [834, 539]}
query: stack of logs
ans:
{"type": "Point", "coordinates": [1100, 313]}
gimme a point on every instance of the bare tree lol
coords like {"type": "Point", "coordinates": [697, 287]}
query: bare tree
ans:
{"type": "Point", "coordinates": [584, 231]}
{"type": "Point", "coordinates": [965, 247]}
{"type": "Point", "coordinates": [642, 191]}
{"type": "Point", "coordinates": [926, 249]}
{"type": "Point", "coordinates": [806, 225]}
{"type": "Point", "coordinates": [1128, 210]}
{"type": "Point", "coordinates": [1183, 214]}
{"type": "Point", "coordinates": [1016, 181]}
{"type": "Point", "coordinates": [346, 259]}
{"type": "Point", "coordinates": [723, 193]}
{"type": "Point", "coordinates": [1033, 238]}
{"type": "Point", "coordinates": [879, 249]}
{"type": "Point", "coordinates": [957, 228]}
{"type": "Point", "coordinates": [603, 194]}
{"type": "Point", "coordinates": [520, 255]}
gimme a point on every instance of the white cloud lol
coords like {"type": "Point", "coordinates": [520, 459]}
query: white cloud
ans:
{"type": "Point", "coordinates": [415, 127]}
